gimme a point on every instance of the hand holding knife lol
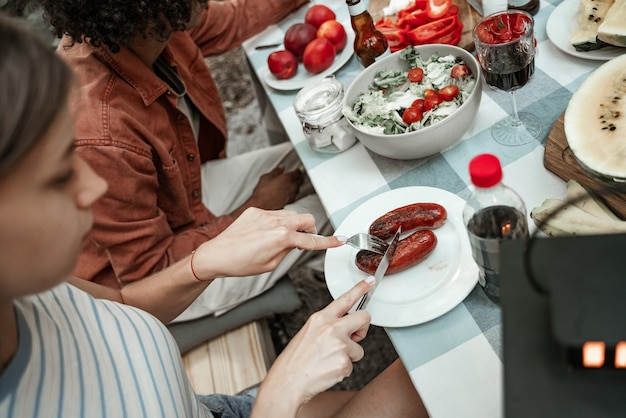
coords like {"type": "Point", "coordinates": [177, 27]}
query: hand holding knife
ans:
{"type": "Point", "coordinates": [380, 270]}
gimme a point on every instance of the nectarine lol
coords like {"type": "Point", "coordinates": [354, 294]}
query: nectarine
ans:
{"type": "Point", "coordinates": [283, 64]}
{"type": "Point", "coordinates": [298, 37]}
{"type": "Point", "coordinates": [318, 55]}
{"type": "Point", "coordinates": [335, 33]}
{"type": "Point", "coordinates": [318, 14]}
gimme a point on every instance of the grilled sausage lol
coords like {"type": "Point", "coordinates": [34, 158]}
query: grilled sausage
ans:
{"type": "Point", "coordinates": [413, 216]}
{"type": "Point", "coordinates": [410, 251]}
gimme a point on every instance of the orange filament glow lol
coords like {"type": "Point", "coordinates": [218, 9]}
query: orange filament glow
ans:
{"type": "Point", "coordinates": [620, 355]}
{"type": "Point", "coordinates": [593, 354]}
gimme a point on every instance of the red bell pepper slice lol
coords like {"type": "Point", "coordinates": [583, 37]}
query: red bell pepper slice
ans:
{"type": "Point", "coordinates": [385, 22]}
{"type": "Point", "coordinates": [452, 38]}
{"type": "Point", "coordinates": [437, 8]}
{"type": "Point", "coordinates": [453, 10]}
{"type": "Point", "coordinates": [414, 25]}
{"type": "Point", "coordinates": [415, 6]}
{"type": "Point", "coordinates": [414, 19]}
{"type": "Point", "coordinates": [432, 31]}
{"type": "Point", "coordinates": [396, 37]}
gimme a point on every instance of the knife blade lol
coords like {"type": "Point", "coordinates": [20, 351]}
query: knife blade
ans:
{"type": "Point", "coordinates": [268, 46]}
{"type": "Point", "coordinates": [380, 270]}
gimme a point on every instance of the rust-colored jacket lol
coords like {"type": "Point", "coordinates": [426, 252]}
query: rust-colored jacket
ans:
{"type": "Point", "coordinates": [130, 131]}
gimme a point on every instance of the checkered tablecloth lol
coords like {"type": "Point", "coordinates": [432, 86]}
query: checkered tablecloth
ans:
{"type": "Point", "coordinates": [455, 361]}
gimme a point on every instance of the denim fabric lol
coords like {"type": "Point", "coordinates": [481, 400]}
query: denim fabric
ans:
{"type": "Point", "coordinates": [227, 406]}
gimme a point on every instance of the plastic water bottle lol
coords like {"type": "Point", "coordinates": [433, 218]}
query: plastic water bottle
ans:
{"type": "Point", "coordinates": [492, 213]}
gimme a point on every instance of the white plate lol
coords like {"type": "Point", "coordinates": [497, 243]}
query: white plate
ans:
{"type": "Point", "coordinates": [303, 77]}
{"type": "Point", "coordinates": [423, 292]}
{"type": "Point", "coordinates": [562, 22]}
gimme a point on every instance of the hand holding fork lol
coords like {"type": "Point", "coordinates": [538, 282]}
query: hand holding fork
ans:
{"type": "Point", "coordinates": [368, 242]}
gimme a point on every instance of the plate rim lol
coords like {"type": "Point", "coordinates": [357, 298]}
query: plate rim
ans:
{"type": "Point", "coordinates": [466, 270]}
{"type": "Point", "coordinates": [290, 84]}
{"type": "Point", "coordinates": [555, 26]}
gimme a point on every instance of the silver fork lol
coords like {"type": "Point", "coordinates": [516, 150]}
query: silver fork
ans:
{"type": "Point", "coordinates": [364, 241]}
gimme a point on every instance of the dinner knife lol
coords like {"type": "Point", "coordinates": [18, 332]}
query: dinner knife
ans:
{"type": "Point", "coordinates": [380, 270]}
{"type": "Point", "coordinates": [268, 46]}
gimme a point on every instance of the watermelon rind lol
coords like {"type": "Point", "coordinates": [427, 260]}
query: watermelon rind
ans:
{"type": "Point", "coordinates": [595, 121]}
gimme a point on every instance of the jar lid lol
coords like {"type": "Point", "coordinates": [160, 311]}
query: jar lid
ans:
{"type": "Point", "coordinates": [485, 170]}
{"type": "Point", "coordinates": [320, 103]}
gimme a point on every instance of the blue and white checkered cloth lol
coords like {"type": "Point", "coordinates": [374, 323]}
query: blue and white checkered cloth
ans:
{"type": "Point", "coordinates": [455, 361]}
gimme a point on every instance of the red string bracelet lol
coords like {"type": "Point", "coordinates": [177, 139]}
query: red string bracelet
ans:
{"type": "Point", "coordinates": [191, 265]}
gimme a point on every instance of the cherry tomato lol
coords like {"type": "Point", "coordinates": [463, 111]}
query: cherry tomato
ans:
{"type": "Point", "coordinates": [460, 71]}
{"type": "Point", "coordinates": [428, 93]}
{"type": "Point", "coordinates": [412, 114]}
{"type": "Point", "coordinates": [448, 93]}
{"type": "Point", "coordinates": [418, 103]}
{"type": "Point", "coordinates": [415, 75]}
{"type": "Point", "coordinates": [432, 102]}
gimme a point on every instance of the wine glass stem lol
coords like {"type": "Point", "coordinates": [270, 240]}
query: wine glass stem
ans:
{"type": "Point", "coordinates": [515, 121]}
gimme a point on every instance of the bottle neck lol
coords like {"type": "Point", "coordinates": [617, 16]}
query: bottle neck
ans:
{"type": "Point", "coordinates": [497, 195]}
{"type": "Point", "coordinates": [356, 8]}
{"type": "Point", "coordinates": [488, 191]}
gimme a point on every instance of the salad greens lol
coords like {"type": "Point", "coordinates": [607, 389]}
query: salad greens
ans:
{"type": "Point", "coordinates": [380, 109]}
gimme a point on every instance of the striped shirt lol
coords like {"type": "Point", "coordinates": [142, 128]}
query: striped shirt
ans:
{"type": "Point", "coordinates": [84, 357]}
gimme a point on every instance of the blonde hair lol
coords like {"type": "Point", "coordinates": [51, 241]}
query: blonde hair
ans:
{"type": "Point", "coordinates": [34, 85]}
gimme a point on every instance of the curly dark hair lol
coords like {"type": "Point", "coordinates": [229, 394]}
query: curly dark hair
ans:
{"type": "Point", "coordinates": [116, 23]}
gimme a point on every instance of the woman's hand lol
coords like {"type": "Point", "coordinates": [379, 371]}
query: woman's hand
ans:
{"type": "Point", "coordinates": [319, 356]}
{"type": "Point", "coordinates": [256, 242]}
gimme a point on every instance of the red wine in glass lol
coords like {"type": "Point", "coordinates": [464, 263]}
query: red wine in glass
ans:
{"type": "Point", "coordinates": [513, 80]}
{"type": "Point", "coordinates": [505, 48]}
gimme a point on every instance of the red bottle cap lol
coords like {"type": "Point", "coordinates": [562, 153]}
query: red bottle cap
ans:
{"type": "Point", "coordinates": [485, 170]}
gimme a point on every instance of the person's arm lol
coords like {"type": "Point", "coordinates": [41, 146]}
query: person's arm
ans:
{"type": "Point", "coordinates": [320, 355]}
{"type": "Point", "coordinates": [229, 23]}
{"type": "Point", "coordinates": [256, 242]}
{"type": "Point", "coordinates": [165, 294]}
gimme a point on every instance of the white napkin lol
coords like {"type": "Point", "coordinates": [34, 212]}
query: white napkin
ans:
{"type": "Point", "coordinates": [271, 35]}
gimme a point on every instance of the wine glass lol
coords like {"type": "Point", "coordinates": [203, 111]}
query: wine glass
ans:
{"type": "Point", "coordinates": [505, 48]}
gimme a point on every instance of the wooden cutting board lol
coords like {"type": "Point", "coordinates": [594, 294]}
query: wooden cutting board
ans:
{"type": "Point", "coordinates": [560, 160]}
{"type": "Point", "coordinates": [467, 14]}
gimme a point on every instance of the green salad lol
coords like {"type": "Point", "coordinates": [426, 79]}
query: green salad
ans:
{"type": "Point", "coordinates": [403, 101]}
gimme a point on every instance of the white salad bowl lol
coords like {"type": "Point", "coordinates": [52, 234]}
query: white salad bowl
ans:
{"type": "Point", "coordinates": [428, 140]}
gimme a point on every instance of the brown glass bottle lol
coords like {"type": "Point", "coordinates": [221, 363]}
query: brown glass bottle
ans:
{"type": "Point", "coordinates": [529, 6]}
{"type": "Point", "coordinates": [369, 42]}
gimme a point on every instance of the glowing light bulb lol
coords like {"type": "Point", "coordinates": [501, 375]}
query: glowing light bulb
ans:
{"type": "Point", "coordinates": [620, 355]}
{"type": "Point", "coordinates": [593, 354]}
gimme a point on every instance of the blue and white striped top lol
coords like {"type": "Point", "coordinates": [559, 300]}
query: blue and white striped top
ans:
{"type": "Point", "coordinates": [84, 357]}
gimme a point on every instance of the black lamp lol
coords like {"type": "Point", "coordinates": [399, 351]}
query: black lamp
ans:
{"type": "Point", "coordinates": [564, 326]}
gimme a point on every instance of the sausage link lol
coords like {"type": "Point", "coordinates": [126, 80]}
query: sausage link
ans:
{"type": "Point", "coordinates": [410, 251]}
{"type": "Point", "coordinates": [416, 215]}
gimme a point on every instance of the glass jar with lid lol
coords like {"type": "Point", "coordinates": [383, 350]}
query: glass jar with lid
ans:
{"type": "Point", "coordinates": [319, 107]}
